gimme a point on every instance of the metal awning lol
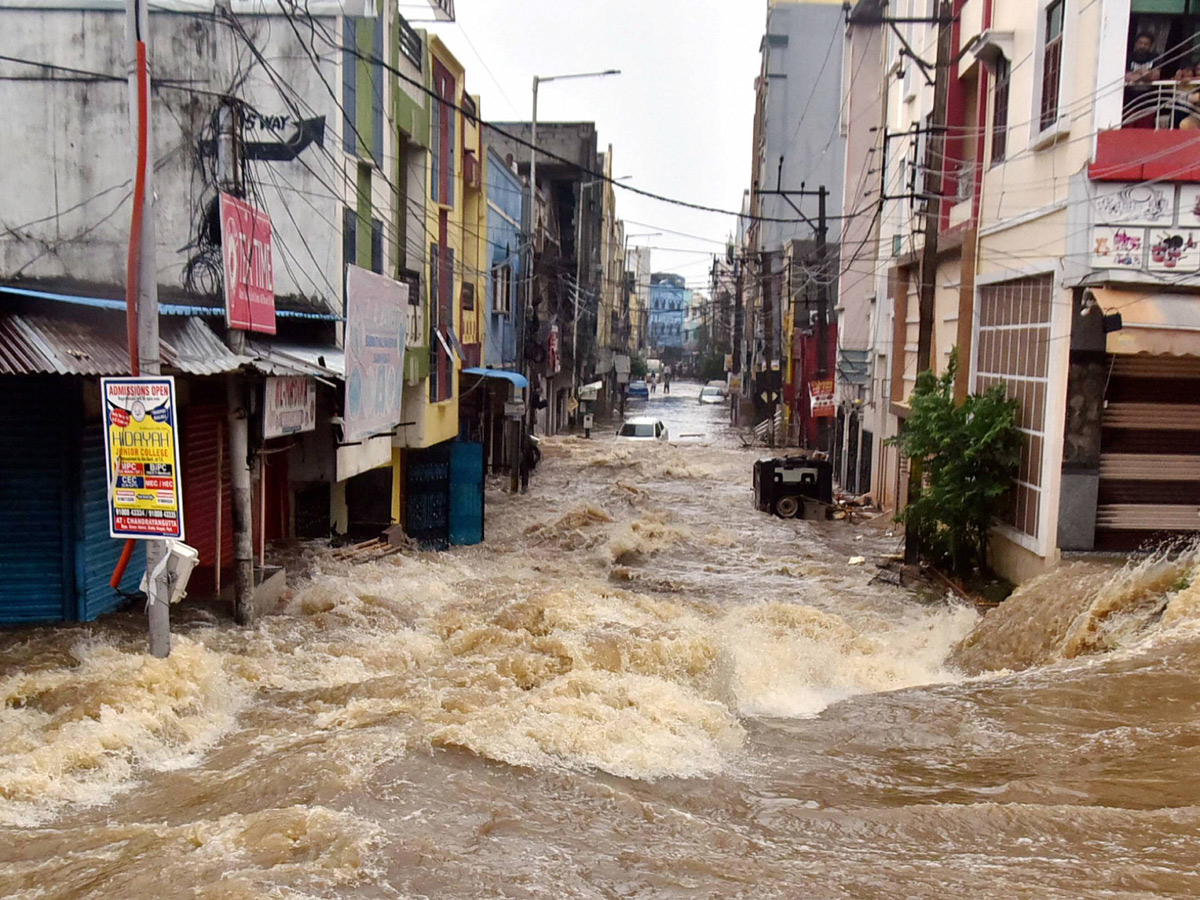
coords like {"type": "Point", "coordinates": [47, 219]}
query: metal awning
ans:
{"type": "Point", "coordinates": [49, 345]}
{"type": "Point", "coordinates": [191, 346]}
{"type": "Point", "coordinates": [272, 357]}
{"type": "Point", "coordinates": [518, 380]}
{"type": "Point", "coordinates": [1155, 323]}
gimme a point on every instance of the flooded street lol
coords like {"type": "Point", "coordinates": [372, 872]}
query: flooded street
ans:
{"type": "Point", "coordinates": [637, 687]}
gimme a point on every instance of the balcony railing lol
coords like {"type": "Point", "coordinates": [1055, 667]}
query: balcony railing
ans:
{"type": "Point", "coordinates": [1162, 106]}
{"type": "Point", "coordinates": [410, 42]}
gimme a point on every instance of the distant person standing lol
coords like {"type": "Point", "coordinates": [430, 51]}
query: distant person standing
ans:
{"type": "Point", "coordinates": [653, 382]}
{"type": "Point", "coordinates": [666, 381]}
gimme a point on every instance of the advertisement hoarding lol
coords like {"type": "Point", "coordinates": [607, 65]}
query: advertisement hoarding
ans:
{"type": "Point", "coordinates": [249, 278]}
{"type": "Point", "coordinates": [375, 327]}
{"type": "Point", "coordinates": [289, 405]}
{"type": "Point", "coordinates": [141, 454]}
{"type": "Point", "coordinates": [820, 394]}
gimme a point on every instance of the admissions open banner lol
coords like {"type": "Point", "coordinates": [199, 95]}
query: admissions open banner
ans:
{"type": "Point", "coordinates": [141, 450]}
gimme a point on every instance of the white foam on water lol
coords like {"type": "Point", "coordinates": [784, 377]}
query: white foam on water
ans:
{"type": "Point", "coordinates": [793, 661]}
{"type": "Point", "coordinates": [76, 733]}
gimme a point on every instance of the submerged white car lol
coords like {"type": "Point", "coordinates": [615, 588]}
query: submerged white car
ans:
{"type": "Point", "coordinates": [712, 394]}
{"type": "Point", "coordinates": [642, 429]}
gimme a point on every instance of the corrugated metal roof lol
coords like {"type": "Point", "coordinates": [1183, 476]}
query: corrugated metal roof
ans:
{"type": "Point", "coordinates": [281, 358]}
{"type": "Point", "coordinates": [17, 355]}
{"type": "Point", "coordinates": [73, 347]}
{"type": "Point", "coordinates": [36, 344]}
{"type": "Point", "coordinates": [191, 346]}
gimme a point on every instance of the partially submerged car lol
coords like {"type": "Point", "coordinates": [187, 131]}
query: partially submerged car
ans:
{"type": "Point", "coordinates": [711, 393]}
{"type": "Point", "coordinates": [637, 390]}
{"type": "Point", "coordinates": [642, 428]}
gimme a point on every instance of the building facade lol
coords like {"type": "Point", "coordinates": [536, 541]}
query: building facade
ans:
{"type": "Point", "coordinates": [670, 303]}
{"type": "Point", "coordinates": [1064, 194]}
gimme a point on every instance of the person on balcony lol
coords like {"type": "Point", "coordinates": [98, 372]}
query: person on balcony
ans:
{"type": "Point", "coordinates": [1142, 67]}
{"type": "Point", "coordinates": [1187, 98]}
{"type": "Point", "coordinates": [1142, 99]}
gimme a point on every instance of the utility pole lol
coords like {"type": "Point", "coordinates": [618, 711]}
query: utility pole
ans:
{"type": "Point", "coordinates": [823, 298]}
{"type": "Point", "coordinates": [144, 269]}
{"type": "Point", "coordinates": [934, 176]}
{"type": "Point", "coordinates": [241, 493]}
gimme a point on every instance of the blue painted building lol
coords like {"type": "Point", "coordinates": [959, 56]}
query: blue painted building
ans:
{"type": "Point", "coordinates": [669, 303]}
{"type": "Point", "coordinates": [505, 203]}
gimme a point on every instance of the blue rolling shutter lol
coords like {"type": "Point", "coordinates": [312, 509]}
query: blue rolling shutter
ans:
{"type": "Point", "coordinates": [35, 572]}
{"type": "Point", "coordinates": [466, 493]}
{"type": "Point", "coordinates": [97, 553]}
{"type": "Point", "coordinates": [427, 496]}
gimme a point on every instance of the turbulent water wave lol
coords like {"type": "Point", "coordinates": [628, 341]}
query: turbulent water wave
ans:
{"type": "Point", "coordinates": [640, 686]}
{"type": "Point", "coordinates": [1083, 608]}
{"type": "Point", "coordinates": [791, 660]}
{"type": "Point", "coordinates": [77, 733]}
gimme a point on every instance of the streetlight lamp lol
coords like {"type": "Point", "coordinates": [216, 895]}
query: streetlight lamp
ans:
{"type": "Point", "coordinates": [537, 80]}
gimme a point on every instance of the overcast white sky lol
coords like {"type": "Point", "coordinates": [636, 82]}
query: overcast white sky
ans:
{"type": "Point", "coordinates": [679, 117]}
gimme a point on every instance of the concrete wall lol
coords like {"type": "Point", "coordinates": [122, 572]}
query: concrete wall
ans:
{"type": "Point", "coordinates": [862, 116]}
{"type": "Point", "coordinates": [66, 181]}
{"type": "Point", "coordinates": [802, 61]}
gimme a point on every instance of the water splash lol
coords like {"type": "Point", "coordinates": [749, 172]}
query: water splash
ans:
{"type": "Point", "coordinates": [76, 733]}
{"type": "Point", "coordinates": [1083, 608]}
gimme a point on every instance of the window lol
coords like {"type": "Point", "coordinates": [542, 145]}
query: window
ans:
{"type": "Point", "coordinates": [468, 296]}
{"type": "Point", "coordinates": [1052, 63]}
{"type": "Point", "coordinates": [441, 144]}
{"type": "Point", "coordinates": [1014, 350]}
{"type": "Point", "coordinates": [377, 246]}
{"type": "Point", "coordinates": [1000, 110]}
{"type": "Point", "coordinates": [502, 289]}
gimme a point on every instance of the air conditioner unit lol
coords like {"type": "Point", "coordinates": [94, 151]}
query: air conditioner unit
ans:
{"type": "Point", "coordinates": [181, 560]}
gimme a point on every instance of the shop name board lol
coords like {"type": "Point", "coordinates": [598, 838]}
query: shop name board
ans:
{"type": "Point", "coordinates": [820, 394]}
{"type": "Point", "coordinates": [249, 273]}
{"type": "Point", "coordinates": [289, 405]}
{"type": "Point", "coordinates": [553, 354]}
{"type": "Point", "coordinates": [141, 454]}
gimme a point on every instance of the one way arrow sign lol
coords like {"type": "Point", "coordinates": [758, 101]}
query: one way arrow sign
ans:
{"type": "Point", "coordinates": [308, 131]}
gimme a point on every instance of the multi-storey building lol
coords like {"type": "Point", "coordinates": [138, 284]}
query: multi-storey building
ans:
{"type": "Point", "coordinates": [670, 301]}
{"type": "Point", "coordinates": [1065, 195]}
{"type": "Point", "coordinates": [798, 152]}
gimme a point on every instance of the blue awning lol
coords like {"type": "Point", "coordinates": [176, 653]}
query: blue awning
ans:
{"type": "Point", "coordinates": [164, 309]}
{"type": "Point", "coordinates": [516, 378]}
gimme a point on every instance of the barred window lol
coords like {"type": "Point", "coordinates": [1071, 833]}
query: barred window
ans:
{"type": "Point", "coordinates": [1014, 350]}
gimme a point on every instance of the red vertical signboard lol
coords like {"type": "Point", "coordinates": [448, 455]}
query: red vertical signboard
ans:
{"type": "Point", "coordinates": [249, 279]}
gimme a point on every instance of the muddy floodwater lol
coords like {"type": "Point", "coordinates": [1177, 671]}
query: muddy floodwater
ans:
{"type": "Point", "coordinates": [638, 687]}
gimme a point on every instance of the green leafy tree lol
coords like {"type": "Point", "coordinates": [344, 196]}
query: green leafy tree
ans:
{"type": "Point", "coordinates": [637, 366]}
{"type": "Point", "coordinates": [970, 453]}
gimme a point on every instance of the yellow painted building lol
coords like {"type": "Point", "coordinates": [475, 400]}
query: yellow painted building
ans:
{"type": "Point", "coordinates": [452, 246]}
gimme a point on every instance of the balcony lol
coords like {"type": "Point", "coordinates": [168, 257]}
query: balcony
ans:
{"type": "Point", "coordinates": [472, 170]}
{"type": "Point", "coordinates": [443, 10]}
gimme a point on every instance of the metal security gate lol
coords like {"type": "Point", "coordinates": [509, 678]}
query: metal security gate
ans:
{"type": "Point", "coordinates": [36, 535]}
{"type": "Point", "coordinates": [207, 495]}
{"type": "Point", "coordinates": [97, 553]}
{"type": "Point", "coordinates": [1149, 451]}
{"type": "Point", "coordinates": [466, 493]}
{"type": "Point", "coordinates": [427, 496]}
